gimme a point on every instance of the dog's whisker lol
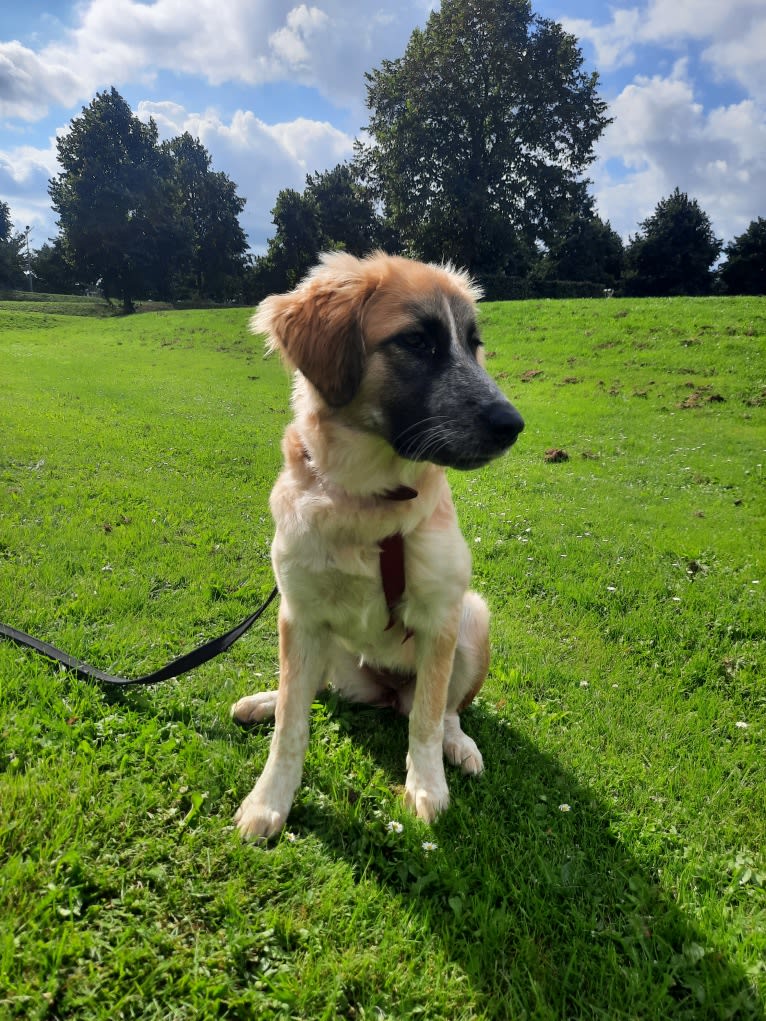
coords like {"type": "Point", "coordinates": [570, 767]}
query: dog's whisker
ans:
{"type": "Point", "coordinates": [431, 442]}
{"type": "Point", "coordinates": [419, 425]}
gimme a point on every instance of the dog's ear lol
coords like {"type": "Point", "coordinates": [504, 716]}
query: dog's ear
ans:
{"type": "Point", "coordinates": [317, 327]}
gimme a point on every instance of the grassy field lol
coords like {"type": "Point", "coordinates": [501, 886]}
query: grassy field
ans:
{"type": "Point", "coordinates": [69, 304]}
{"type": "Point", "coordinates": [610, 864]}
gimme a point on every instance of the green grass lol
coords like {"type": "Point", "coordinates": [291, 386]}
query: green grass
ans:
{"type": "Point", "coordinates": [627, 588]}
{"type": "Point", "coordinates": [69, 304]}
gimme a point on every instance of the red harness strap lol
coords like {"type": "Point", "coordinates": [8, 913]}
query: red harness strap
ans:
{"type": "Point", "coordinates": [392, 571]}
{"type": "Point", "coordinates": [393, 577]}
{"type": "Point", "coordinates": [392, 562]}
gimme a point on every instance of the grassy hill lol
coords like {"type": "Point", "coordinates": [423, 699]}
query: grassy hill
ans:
{"type": "Point", "coordinates": [69, 304]}
{"type": "Point", "coordinates": [609, 864]}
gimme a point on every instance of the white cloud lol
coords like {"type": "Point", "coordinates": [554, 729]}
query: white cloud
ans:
{"type": "Point", "coordinates": [243, 41]}
{"type": "Point", "coordinates": [662, 134]}
{"type": "Point", "coordinates": [24, 175]}
{"type": "Point", "coordinates": [735, 34]}
{"type": "Point", "coordinates": [291, 43]}
{"type": "Point", "coordinates": [29, 82]}
{"type": "Point", "coordinates": [614, 42]}
{"type": "Point", "coordinates": [260, 158]}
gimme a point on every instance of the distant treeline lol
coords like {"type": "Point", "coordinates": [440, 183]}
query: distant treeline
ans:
{"type": "Point", "coordinates": [477, 148]}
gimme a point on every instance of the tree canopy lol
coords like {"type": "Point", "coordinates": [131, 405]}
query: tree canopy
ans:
{"type": "Point", "coordinates": [137, 215]}
{"type": "Point", "coordinates": [480, 132]}
{"type": "Point", "coordinates": [744, 271]}
{"type": "Point", "coordinates": [11, 245]}
{"type": "Point", "coordinates": [210, 208]}
{"type": "Point", "coordinates": [674, 250]}
{"type": "Point", "coordinates": [335, 210]}
{"type": "Point", "coordinates": [586, 249]}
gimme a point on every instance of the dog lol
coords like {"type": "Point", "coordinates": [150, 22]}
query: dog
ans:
{"type": "Point", "coordinates": [389, 389]}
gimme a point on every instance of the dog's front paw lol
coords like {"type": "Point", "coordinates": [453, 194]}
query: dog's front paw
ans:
{"type": "Point", "coordinates": [426, 792]}
{"type": "Point", "coordinates": [257, 820]}
{"type": "Point", "coordinates": [254, 708]}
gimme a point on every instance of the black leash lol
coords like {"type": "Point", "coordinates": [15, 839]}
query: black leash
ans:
{"type": "Point", "coordinates": [178, 666]}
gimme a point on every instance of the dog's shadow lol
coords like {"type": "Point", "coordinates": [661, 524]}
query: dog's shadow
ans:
{"type": "Point", "coordinates": [529, 893]}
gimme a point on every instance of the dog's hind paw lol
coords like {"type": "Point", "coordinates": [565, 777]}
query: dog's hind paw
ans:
{"type": "Point", "coordinates": [461, 750]}
{"type": "Point", "coordinates": [254, 708]}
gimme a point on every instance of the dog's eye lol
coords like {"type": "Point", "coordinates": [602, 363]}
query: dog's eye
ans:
{"type": "Point", "coordinates": [417, 342]}
{"type": "Point", "coordinates": [474, 341]}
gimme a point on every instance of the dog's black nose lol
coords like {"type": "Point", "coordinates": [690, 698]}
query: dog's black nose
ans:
{"type": "Point", "coordinates": [503, 421]}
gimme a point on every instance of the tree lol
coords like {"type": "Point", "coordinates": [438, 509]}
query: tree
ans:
{"type": "Point", "coordinates": [115, 201]}
{"type": "Point", "coordinates": [346, 211]}
{"type": "Point", "coordinates": [673, 251]}
{"type": "Point", "coordinates": [298, 239]}
{"type": "Point", "coordinates": [12, 264]}
{"type": "Point", "coordinates": [480, 132]}
{"type": "Point", "coordinates": [744, 271]}
{"type": "Point", "coordinates": [209, 204]}
{"type": "Point", "coordinates": [586, 250]}
{"type": "Point", "coordinates": [52, 272]}
{"type": "Point", "coordinates": [334, 211]}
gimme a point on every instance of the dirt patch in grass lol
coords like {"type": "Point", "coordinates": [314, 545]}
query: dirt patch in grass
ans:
{"type": "Point", "coordinates": [700, 396]}
{"type": "Point", "coordinates": [556, 455]}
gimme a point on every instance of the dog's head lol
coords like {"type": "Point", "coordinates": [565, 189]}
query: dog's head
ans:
{"type": "Point", "coordinates": [394, 348]}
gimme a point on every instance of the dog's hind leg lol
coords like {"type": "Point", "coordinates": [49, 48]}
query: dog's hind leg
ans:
{"type": "Point", "coordinates": [468, 674]}
{"type": "Point", "coordinates": [302, 668]}
{"type": "Point", "coordinates": [255, 708]}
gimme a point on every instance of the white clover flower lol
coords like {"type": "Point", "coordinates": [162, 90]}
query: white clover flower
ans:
{"type": "Point", "coordinates": [290, 837]}
{"type": "Point", "coordinates": [565, 807]}
{"type": "Point", "coordinates": [584, 684]}
{"type": "Point", "coordinates": [741, 724]}
{"type": "Point", "coordinates": [394, 827]}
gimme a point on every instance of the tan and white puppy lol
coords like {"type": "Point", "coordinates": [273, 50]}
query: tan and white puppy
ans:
{"type": "Point", "coordinates": [372, 569]}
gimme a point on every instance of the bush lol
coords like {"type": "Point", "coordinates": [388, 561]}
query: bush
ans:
{"type": "Point", "coordinates": [498, 287]}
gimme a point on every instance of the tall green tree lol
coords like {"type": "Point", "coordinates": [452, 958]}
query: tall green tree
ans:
{"type": "Point", "coordinates": [480, 132]}
{"type": "Point", "coordinates": [52, 272]}
{"type": "Point", "coordinates": [297, 240]}
{"type": "Point", "coordinates": [674, 250]}
{"type": "Point", "coordinates": [12, 263]}
{"type": "Point", "coordinates": [115, 202]}
{"type": "Point", "coordinates": [587, 249]}
{"type": "Point", "coordinates": [209, 207]}
{"type": "Point", "coordinates": [346, 211]}
{"type": "Point", "coordinates": [334, 211]}
{"type": "Point", "coordinates": [744, 271]}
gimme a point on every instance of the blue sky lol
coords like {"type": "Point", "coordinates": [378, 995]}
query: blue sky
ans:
{"type": "Point", "coordinates": [275, 90]}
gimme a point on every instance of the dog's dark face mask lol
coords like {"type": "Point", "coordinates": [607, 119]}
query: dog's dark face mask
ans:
{"type": "Point", "coordinates": [437, 402]}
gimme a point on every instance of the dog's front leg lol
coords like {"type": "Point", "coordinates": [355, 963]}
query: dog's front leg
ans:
{"type": "Point", "coordinates": [426, 791]}
{"type": "Point", "coordinates": [302, 668]}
